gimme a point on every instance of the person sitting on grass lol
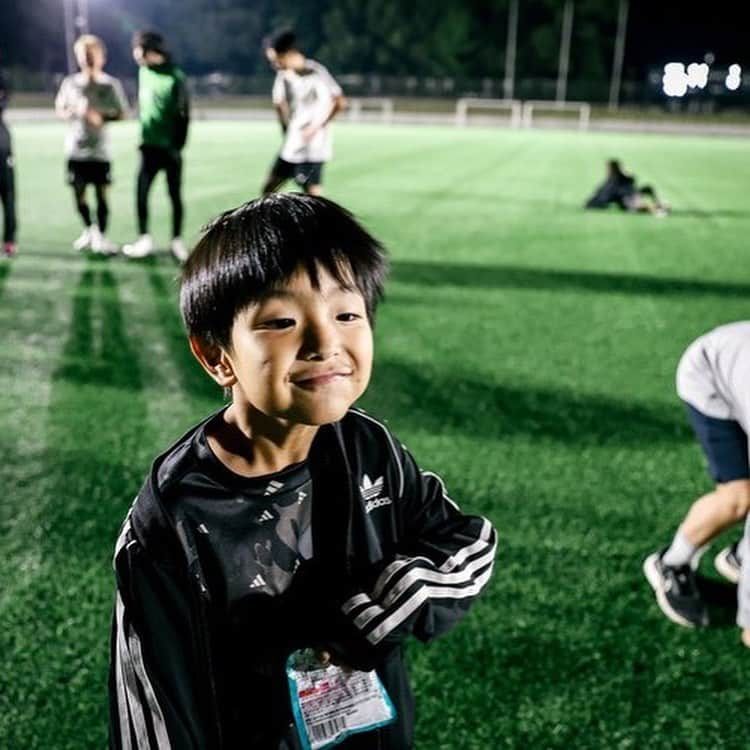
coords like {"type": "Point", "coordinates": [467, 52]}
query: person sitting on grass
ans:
{"type": "Point", "coordinates": [713, 379]}
{"type": "Point", "coordinates": [620, 189]}
{"type": "Point", "coordinates": [289, 518]}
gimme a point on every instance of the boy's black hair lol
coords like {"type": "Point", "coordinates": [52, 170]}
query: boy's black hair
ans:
{"type": "Point", "coordinates": [150, 41]}
{"type": "Point", "coordinates": [283, 41]}
{"type": "Point", "coordinates": [247, 252]}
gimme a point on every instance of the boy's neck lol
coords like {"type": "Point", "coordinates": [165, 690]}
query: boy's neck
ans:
{"type": "Point", "coordinates": [252, 444]}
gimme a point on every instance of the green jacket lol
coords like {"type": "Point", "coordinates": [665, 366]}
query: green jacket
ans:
{"type": "Point", "coordinates": [164, 106]}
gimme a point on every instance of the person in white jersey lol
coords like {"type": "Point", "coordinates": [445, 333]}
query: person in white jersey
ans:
{"type": "Point", "coordinates": [713, 380]}
{"type": "Point", "coordinates": [88, 100]}
{"type": "Point", "coordinates": [307, 98]}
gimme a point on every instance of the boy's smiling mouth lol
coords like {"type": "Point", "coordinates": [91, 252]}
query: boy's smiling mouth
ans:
{"type": "Point", "coordinates": [310, 381]}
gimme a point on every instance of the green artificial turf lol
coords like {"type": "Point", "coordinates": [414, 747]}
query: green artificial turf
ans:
{"type": "Point", "coordinates": [526, 351]}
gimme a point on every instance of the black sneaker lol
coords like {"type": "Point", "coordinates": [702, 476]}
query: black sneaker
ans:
{"type": "Point", "coordinates": [676, 592]}
{"type": "Point", "coordinates": [728, 563]}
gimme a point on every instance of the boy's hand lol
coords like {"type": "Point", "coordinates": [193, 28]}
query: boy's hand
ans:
{"type": "Point", "coordinates": [326, 658]}
{"type": "Point", "coordinates": [94, 118]}
{"type": "Point", "coordinates": [308, 132]}
{"type": "Point", "coordinates": [746, 636]}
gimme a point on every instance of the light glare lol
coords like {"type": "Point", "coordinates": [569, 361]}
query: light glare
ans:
{"type": "Point", "coordinates": [734, 78]}
{"type": "Point", "coordinates": [675, 79]}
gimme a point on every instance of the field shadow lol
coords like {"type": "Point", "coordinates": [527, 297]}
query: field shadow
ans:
{"type": "Point", "coordinates": [517, 277]}
{"type": "Point", "coordinates": [165, 294]}
{"type": "Point", "coordinates": [721, 599]}
{"type": "Point", "coordinates": [98, 350]}
{"type": "Point", "coordinates": [453, 404]}
{"type": "Point", "coordinates": [711, 213]}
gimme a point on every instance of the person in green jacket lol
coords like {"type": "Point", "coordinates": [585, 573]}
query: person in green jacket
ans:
{"type": "Point", "coordinates": [165, 115]}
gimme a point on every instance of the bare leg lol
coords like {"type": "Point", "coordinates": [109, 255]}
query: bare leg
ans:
{"type": "Point", "coordinates": [711, 514]}
{"type": "Point", "coordinates": [314, 189]}
{"type": "Point", "coordinates": [272, 184]}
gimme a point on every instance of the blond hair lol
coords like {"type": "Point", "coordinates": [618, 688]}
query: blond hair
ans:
{"type": "Point", "coordinates": [87, 41]}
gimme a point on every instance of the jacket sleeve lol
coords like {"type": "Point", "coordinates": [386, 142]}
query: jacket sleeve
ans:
{"type": "Point", "coordinates": [154, 680]}
{"type": "Point", "coordinates": [445, 559]}
{"type": "Point", "coordinates": [182, 113]}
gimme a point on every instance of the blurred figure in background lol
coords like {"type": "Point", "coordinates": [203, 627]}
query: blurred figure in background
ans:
{"type": "Point", "coordinates": [306, 98]}
{"type": "Point", "coordinates": [89, 100]}
{"type": "Point", "coordinates": [620, 189]}
{"type": "Point", "coordinates": [7, 178]}
{"type": "Point", "coordinates": [164, 111]}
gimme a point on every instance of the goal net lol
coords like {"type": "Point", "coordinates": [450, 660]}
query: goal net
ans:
{"type": "Point", "coordinates": [371, 108]}
{"type": "Point", "coordinates": [512, 107]}
{"type": "Point", "coordinates": [533, 107]}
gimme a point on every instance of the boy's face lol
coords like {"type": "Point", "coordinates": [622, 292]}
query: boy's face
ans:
{"type": "Point", "coordinates": [90, 58]}
{"type": "Point", "coordinates": [291, 60]}
{"type": "Point", "coordinates": [303, 354]}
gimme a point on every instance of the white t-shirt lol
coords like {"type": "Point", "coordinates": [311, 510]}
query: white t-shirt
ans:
{"type": "Point", "coordinates": [309, 94]}
{"type": "Point", "coordinates": [105, 94]}
{"type": "Point", "coordinates": [714, 373]}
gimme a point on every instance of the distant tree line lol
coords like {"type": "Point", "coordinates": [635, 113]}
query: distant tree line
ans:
{"type": "Point", "coordinates": [464, 38]}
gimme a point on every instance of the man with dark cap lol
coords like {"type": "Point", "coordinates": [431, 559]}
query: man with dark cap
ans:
{"type": "Point", "coordinates": [164, 114]}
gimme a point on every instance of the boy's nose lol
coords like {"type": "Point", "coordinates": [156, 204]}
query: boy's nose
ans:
{"type": "Point", "coordinates": [321, 341]}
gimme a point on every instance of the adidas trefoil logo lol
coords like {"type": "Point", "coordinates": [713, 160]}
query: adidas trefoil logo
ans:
{"type": "Point", "coordinates": [258, 582]}
{"type": "Point", "coordinates": [370, 492]}
{"type": "Point", "coordinates": [266, 515]}
{"type": "Point", "coordinates": [273, 486]}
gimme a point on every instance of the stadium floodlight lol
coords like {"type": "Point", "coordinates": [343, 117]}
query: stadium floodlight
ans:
{"type": "Point", "coordinates": [675, 79]}
{"type": "Point", "coordinates": [697, 75]}
{"type": "Point", "coordinates": [734, 77]}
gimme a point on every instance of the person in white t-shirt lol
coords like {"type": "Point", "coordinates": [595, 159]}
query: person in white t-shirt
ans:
{"type": "Point", "coordinates": [713, 380]}
{"type": "Point", "coordinates": [88, 101]}
{"type": "Point", "coordinates": [307, 98]}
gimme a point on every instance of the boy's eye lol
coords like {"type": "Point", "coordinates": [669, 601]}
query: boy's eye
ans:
{"type": "Point", "coordinates": [277, 324]}
{"type": "Point", "coordinates": [348, 317]}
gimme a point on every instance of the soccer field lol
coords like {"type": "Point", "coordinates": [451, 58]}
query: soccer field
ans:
{"type": "Point", "coordinates": [526, 351]}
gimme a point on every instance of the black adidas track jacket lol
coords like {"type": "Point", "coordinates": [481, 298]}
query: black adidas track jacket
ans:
{"type": "Point", "coordinates": [393, 555]}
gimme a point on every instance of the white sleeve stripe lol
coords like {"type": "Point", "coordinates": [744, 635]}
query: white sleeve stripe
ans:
{"type": "Point", "coordinates": [458, 558]}
{"type": "Point", "coordinates": [122, 701]}
{"type": "Point", "coordinates": [138, 721]}
{"type": "Point", "coordinates": [445, 583]}
{"type": "Point", "coordinates": [120, 543]}
{"type": "Point", "coordinates": [157, 717]}
{"type": "Point", "coordinates": [392, 570]}
{"type": "Point", "coordinates": [393, 449]}
{"type": "Point", "coordinates": [132, 667]}
{"type": "Point", "coordinates": [354, 602]}
{"type": "Point", "coordinates": [420, 596]}
{"type": "Point", "coordinates": [444, 492]}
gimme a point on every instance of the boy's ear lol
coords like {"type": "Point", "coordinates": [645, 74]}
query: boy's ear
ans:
{"type": "Point", "coordinates": [214, 361]}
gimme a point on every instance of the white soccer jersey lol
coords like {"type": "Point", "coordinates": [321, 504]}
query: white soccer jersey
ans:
{"type": "Point", "coordinates": [309, 94]}
{"type": "Point", "coordinates": [714, 373]}
{"type": "Point", "coordinates": [76, 94]}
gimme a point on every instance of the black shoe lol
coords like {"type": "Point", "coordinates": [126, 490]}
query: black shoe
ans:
{"type": "Point", "coordinates": [676, 592]}
{"type": "Point", "coordinates": [728, 563]}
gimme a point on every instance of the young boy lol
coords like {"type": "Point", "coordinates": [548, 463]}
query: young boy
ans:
{"type": "Point", "coordinates": [7, 179]}
{"type": "Point", "coordinates": [165, 116]}
{"type": "Point", "coordinates": [288, 519]}
{"type": "Point", "coordinates": [713, 379]}
{"type": "Point", "coordinates": [88, 100]}
{"type": "Point", "coordinates": [306, 98]}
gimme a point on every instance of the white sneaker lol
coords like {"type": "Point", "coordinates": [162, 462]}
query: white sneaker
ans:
{"type": "Point", "coordinates": [179, 250]}
{"type": "Point", "coordinates": [102, 245]}
{"type": "Point", "coordinates": [142, 247]}
{"type": "Point", "coordinates": [84, 241]}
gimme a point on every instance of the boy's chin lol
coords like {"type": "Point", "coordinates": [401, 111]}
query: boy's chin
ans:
{"type": "Point", "coordinates": [321, 414]}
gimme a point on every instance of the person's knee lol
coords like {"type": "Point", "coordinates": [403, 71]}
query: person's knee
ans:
{"type": "Point", "coordinates": [736, 497]}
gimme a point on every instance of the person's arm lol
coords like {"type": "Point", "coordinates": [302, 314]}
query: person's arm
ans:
{"type": "Point", "coordinates": [64, 105]}
{"type": "Point", "coordinates": [182, 111]}
{"type": "Point", "coordinates": [156, 683]}
{"type": "Point", "coordinates": [118, 104]}
{"type": "Point", "coordinates": [445, 561]}
{"type": "Point", "coordinates": [338, 104]}
{"type": "Point", "coordinates": [4, 93]}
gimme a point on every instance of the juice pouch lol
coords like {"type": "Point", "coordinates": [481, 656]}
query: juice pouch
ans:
{"type": "Point", "coordinates": [330, 704]}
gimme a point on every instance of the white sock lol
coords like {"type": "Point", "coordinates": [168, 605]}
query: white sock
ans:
{"type": "Point", "coordinates": [680, 552]}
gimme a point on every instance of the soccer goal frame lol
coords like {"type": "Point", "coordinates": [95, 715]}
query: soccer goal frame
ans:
{"type": "Point", "coordinates": [530, 106]}
{"type": "Point", "coordinates": [464, 104]}
{"type": "Point", "coordinates": [359, 105]}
